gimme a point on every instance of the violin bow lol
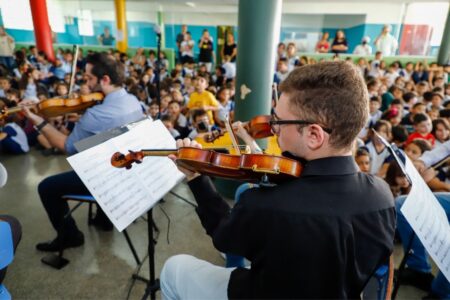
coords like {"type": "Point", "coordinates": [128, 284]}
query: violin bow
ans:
{"type": "Point", "coordinates": [231, 133]}
{"type": "Point", "coordinates": [275, 88]}
{"type": "Point", "coordinates": [74, 69]}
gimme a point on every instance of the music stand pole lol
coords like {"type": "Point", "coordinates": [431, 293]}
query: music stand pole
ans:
{"type": "Point", "coordinates": [153, 282]}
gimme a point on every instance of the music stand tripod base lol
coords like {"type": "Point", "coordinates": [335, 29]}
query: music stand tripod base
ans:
{"type": "Point", "coordinates": [55, 261]}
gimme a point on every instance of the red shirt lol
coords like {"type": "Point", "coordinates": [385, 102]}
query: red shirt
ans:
{"type": "Point", "coordinates": [415, 135]}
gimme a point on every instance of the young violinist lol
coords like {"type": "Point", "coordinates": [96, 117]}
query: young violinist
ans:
{"type": "Point", "coordinates": [319, 236]}
{"type": "Point", "coordinates": [117, 108]}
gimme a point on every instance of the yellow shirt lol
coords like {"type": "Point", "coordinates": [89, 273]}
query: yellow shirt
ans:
{"type": "Point", "coordinates": [225, 141]}
{"type": "Point", "coordinates": [198, 101]}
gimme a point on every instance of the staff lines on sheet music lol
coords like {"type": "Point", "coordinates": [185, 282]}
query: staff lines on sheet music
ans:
{"type": "Point", "coordinates": [121, 203]}
{"type": "Point", "coordinates": [96, 163]}
{"type": "Point", "coordinates": [123, 190]}
{"type": "Point", "coordinates": [108, 179]}
{"type": "Point", "coordinates": [164, 178]}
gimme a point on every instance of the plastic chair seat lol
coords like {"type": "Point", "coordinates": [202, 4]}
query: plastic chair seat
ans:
{"type": "Point", "coordinates": [85, 198]}
{"type": "Point", "coordinates": [6, 254]}
{"type": "Point", "coordinates": [4, 294]}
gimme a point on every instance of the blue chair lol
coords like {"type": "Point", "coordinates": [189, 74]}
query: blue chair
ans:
{"type": "Point", "coordinates": [6, 254]}
{"type": "Point", "coordinates": [58, 261]}
{"type": "Point", "coordinates": [380, 285]}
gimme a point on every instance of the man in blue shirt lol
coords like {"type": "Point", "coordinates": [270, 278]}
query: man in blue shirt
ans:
{"type": "Point", "coordinates": [118, 108]}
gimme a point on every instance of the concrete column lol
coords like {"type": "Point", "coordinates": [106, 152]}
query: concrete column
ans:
{"type": "Point", "coordinates": [258, 35]}
{"type": "Point", "coordinates": [42, 30]}
{"type": "Point", "coordinates": [444, 49]}
{"type": "Point", "coordinates": [161, 26]}
{"type": "Point", "coordinates": [121, 24]}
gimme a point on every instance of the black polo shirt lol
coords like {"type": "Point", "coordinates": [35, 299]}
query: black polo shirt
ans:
{"type": "Point", "coordinates": [320, 236]}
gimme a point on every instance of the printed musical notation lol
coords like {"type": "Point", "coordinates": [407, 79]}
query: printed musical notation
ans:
{"type": "Point", "coordinates": [125, 195]}
{"type": "Point", "coordinates": [428, 219]}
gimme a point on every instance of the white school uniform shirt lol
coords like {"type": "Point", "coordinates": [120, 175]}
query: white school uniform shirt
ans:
{"type": "Point", "coordinates": [20, 137]}
{"type": "Point", "coordinates": [377, 159]}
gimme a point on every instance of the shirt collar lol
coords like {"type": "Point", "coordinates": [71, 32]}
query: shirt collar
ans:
{"type": "Point", "coordinates": [116, 94]}
{"type": "Point", "coordinates": [337, 165]}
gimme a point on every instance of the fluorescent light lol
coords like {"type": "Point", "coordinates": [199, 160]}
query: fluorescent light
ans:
{"type": "Point", "coordinates": [190, 4]}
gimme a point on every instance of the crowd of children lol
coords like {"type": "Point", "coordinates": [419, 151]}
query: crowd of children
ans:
{"type": "Point", "coordinates": [409, 105]}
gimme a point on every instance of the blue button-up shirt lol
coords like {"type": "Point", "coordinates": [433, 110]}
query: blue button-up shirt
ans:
{"type": "Point", "coordinates": [118, 108]}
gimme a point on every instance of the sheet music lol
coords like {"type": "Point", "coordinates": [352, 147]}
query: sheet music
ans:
{"type": "Point", "coordinates": [428, 220]}
{"type": "Point", "coordinates": [123, 194]}
{"type": "Point", "coordinates": [425, 214]}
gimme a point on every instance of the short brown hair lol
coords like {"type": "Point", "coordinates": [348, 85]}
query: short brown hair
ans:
{"type": "Point", "coordinates": [334, 95]}
{"type": "Point", "coordinates": [103, 64]}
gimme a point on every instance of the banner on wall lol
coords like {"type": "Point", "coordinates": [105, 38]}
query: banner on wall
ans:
{"type": "Point", "coordinates": [415, 39]}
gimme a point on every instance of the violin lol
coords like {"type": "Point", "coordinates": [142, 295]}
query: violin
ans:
{"type": "Point", "coordinates": [246, 167]}
{"type": "Point", "coordinates": [258, 128]}
{"type": "Point", "coordinates": [59, 106]}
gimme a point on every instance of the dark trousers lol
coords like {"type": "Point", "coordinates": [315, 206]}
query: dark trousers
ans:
{"type": "Point", "coordinates": [51, 189]}
{"type": "Point", "coordinates": [16, 230]}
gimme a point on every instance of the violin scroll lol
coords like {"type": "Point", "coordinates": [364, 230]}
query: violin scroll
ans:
{"type": "Point", "coordinates": [120, 160]}
{"type": "Point", "coordinates": [210, 137]}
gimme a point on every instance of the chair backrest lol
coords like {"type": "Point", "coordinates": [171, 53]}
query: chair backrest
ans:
{"type": "Point", "coordinates": [390, 283]}
{"type": "Point", "coordinates": [6, 245]}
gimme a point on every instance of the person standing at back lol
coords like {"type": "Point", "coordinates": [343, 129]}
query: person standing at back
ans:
{"type": "Point", "coordinates": [386, 42]}
{"type": "Point", "coordinates": [206, 47]}
{"type": "Point", "coordinates": [118, 108]}
{"type": "Point", "coordinates": [180, 39]}
{"type": "Point", "coordinates": [7, 46]}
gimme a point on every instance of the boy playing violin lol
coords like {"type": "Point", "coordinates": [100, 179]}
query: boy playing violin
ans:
{"type": "Point", "coordinates": [319, 236]}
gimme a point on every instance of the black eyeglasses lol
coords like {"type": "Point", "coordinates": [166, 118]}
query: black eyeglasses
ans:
{"type": "Point", "coordinates": [275, 124]}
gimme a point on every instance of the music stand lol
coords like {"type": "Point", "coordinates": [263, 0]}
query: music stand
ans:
{"type": "Point", "coordinates": [153, 282]}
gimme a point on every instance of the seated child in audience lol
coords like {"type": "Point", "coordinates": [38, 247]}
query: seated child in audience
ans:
{"type": "Point", "coordinates": [362, 159]}
{"type": "Point", "coordinates": [437, 99]}
{"type": "Point", "coordinates": [180, 123]}
{"type": "Point", "coordinates": [409, 99]}
{"type": "Point", "coordinates": [5, 85]}
{"type": "Point", "coordinates": [399, 136]}
{"type": "Point", "coordinates": [433, 113]}
{"type": "Point", "coordinates": [441, 131]}
{"type": "Point", "coordinates": [375, 115]}
{"type": "Point", "coordinates": [202, 99]}
{"type": "Point", "coordinates": [153, 110]}
{"type": "Point", "coordinates": [407, 120]}
{"type": "Point", "coordinates": [202, 126]}
{"type": "Point", "coordinates": [393, 116]}
{"type": "Point", "coordinates": [226, 107]}
{"type": "Point", "coordinates": [414, 151]}
{"type": "Point", "coordinates": [445, 114]}
{"type": "Point", "coordinates": [13, 95]}
{"type": "Point", "coordinates": [164, 105]}
{"type": "Point", "coordinates": [422, 129]}
{"type": "Point", "coordinates": [397, 181]}
{"type": "Point", "coordinates": [167, 121]}
{"type": "Point", "coordinates": [13, 139]}
{"type": "Point", "coordinates": [379, 154]}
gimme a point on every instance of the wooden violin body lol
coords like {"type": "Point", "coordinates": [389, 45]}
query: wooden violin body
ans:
{"type": "Point", "coordinates": [246, 167]}
{"type": "Point", "coordinates": [259, 127]}
{"type": "Point", "coordinates": [54, 107]}
{"type": "Point", "coordinates": [59, 106]}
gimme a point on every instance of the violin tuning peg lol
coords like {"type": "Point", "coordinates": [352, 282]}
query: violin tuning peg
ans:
{"type": "Point", "coordinates": [120, 157]}
{"type": "Point", "coordinates": [138, 161]}
{"type": "Point", "coordinates": [128, 167]}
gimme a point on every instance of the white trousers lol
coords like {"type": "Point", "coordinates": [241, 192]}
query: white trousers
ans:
{"type": "Point", "coordinates": [187, 277]}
